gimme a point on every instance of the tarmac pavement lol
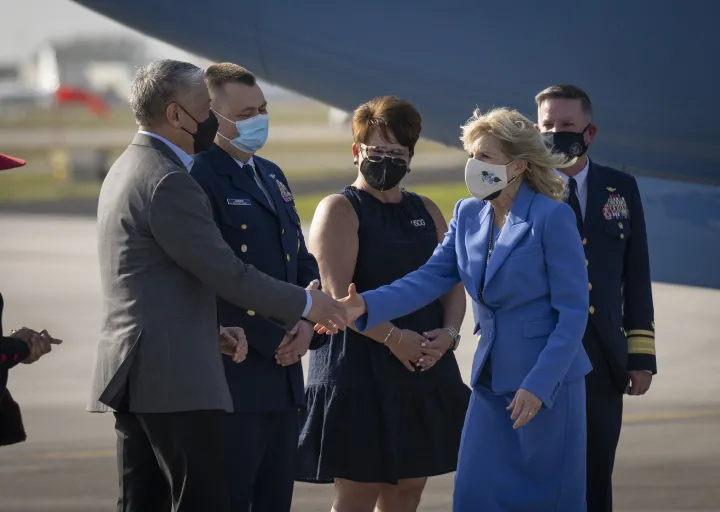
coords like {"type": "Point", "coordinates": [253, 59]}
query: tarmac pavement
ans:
{"type": "Point", "coordinates": [669, 458]}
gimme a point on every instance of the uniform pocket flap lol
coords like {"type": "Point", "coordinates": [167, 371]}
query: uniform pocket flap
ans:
{"type": "Point", "coordinates": [539, 328]}
{"type": "Point", "coordinates": [617, 228]}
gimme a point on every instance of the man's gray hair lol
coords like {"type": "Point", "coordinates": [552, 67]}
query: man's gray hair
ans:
{"type": "Point", "coordinates": [159, 83]}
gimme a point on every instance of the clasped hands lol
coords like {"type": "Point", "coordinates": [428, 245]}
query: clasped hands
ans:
{"type": "Point", "coordinates": [296, 342]}
{"type": "Point", "coordinates": [413, 350]}
{"type": "Point", "coordinates": [293, 346]}
{"type": "Point", "coordinates": [39, 343]}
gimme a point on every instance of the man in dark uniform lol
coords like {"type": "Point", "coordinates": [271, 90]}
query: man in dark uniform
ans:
{"type": "Point", "coordinates": [256, 214]}
{"type": "Point", "coordinates": [620, 335]}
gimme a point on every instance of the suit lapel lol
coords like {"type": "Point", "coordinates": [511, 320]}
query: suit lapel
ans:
{"type": "Point", "coordinates": [141, 139]}
{"type": "Point", "coordinates": [596, 196]}
{"type": "Point", "coordinates": [476, 233]}
{"type": "Point", "coordinates": [239, 177]}
{"type": "Point", "coordinates": [515, 227]}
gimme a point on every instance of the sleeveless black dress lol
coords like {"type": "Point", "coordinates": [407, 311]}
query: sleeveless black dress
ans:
{"type": "Point", "coordinates": [369, 419]}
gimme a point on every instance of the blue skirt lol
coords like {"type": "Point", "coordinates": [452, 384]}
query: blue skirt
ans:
{"type": "Point", "coordinates": [538, 467]}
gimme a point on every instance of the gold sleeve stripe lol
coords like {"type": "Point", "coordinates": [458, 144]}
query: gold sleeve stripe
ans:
{"type": "Point", "coordinates": [641, 345]}
{"type": "Point", "coordinates": [641, 332]}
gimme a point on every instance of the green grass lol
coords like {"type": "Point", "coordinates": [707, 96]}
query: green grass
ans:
{"type": "Point", "coordinates": [19, 187]}
{"type": "Point", "coordinates": [445, 195]}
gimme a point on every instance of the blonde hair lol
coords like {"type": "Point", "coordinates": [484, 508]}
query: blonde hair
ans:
{"type": "Point", "coordinates": [519, 140]}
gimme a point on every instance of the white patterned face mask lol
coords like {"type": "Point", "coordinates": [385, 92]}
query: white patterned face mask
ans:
{"type": "Point", "coordinates": [486, 181]}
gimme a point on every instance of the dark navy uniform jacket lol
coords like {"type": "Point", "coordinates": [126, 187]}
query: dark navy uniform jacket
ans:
{"type": "Point", "coordinates": [271, 241]}
{"type": "Point", "coordinates": [615, 242]}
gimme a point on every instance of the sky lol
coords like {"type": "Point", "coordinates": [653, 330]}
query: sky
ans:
{"type": "Point", "coordinates": [27, 23]}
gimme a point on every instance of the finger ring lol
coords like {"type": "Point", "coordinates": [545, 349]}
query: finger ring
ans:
{"type": "Point", "coordinates": [530, 414]}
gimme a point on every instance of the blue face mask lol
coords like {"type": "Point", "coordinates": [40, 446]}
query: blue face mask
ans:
{"type": "Point", "coordinates": [252, 133]}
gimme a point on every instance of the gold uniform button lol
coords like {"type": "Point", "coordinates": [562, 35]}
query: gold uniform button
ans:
{"type": "Point", "coordinates": [287, 257]}
{"type": "Point", "coordinates": [622, 235]}
{"type": "Point", "coordinates": [244, 226]}
{"type": "Point", "coordinates": [243, 248]}
{"type": "Point", "coordinates": [282, 232]}
{"type": "Point", "coordinates": [251, 312]}
{"type": "Point", "coordinates": [620, 225]}
{"type": "Point", "coordinates": [587, 263]}
{"type": "Point", "coordinates": [592, 309]}
{"type": "Point", "coordinates": [589, 286]}
{"type": "Point", "coordinates": [584, 241]}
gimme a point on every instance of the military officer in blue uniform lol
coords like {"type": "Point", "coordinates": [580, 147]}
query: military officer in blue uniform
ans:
{"type": "Point", "coordinates": [256, 214]}
{"type": "Point", "coordinates": [620, 335]}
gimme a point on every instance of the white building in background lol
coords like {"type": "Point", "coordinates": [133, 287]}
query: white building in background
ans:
{"type": "Point", "coordinates": [104, 65]}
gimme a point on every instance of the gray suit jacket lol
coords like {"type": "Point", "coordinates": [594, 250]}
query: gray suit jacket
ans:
{"type": "Point", "coordinates": [163, 261]}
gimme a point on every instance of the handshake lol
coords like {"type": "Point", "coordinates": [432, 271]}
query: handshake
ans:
{"type": "Point", "coordinates": [327, 315]}
{"type": "Point", "coordinates": [39, 343]}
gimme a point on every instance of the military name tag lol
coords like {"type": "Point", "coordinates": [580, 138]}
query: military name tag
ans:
{"type": "Point", "coordinates": [238, 202]}
{"type": "Point", "coordinates": [284, 192]}
{"type": "Point", "coordinates": [615, 207]}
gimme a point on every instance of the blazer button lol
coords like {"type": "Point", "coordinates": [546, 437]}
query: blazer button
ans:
{"type": "Point", "coordinates": [243, 248]}
{"type": "Point", "coordinates": [282, 232]}
{"type": "Point", "coordinates": [584, 241]}
{"type": "Point", "coordinates": [587, 263]}
{"type": "Point", "coordinates": [592, 309]}
{"type": "Point", "coordinates": [589, 286]}
{"type": "Point", "coordinates": [620, 225]}
{"type": "Point", "coordinates": [287, 257]}
{"type": "Point", "coordinates": [622, 235]}
{"type": "Point", "coordinates": [251, 312]}
{"type": "Point", "coordinates": [243, 227]}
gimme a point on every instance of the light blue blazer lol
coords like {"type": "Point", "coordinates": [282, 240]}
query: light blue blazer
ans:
{"type": "Point", "coordinates": [536, 288]}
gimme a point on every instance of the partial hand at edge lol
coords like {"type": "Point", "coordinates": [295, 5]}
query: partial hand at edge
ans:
{"type": "Point", "coordinates": [233, 342]}
{"type": "Point", "coordinates": [39, 343]}
{"type": "Point", "coordinates": [639, 382]}
{"type": "Point", "coordinates": [354, 306]}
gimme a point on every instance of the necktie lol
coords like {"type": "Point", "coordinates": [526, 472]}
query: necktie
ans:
{"type": "Point", "coordinates": [258, 180]}
{"type": "Point", "coordinates": [571, 198]}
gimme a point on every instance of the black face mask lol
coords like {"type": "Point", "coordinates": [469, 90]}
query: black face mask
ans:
{"type": "Point", "coordinates": [570, 144]}
{"type": "Point", "coordinates": [205, 133]}
{"type": "Point", "coordinates": [383, 174]}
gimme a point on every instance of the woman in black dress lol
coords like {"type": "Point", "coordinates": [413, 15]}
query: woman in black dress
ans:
{"type": "Point", "coordinates": [384, 408]}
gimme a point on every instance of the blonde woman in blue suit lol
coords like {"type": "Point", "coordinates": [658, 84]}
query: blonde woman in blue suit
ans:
{"type": "Point", "coordinates": [516, 248]}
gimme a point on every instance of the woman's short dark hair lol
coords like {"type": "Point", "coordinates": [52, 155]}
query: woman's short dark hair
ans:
{"type": "Point", "coordinates": [387, 114]}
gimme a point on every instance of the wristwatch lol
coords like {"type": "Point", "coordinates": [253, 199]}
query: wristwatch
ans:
{"type": "Point", "coordinates": [455, 337]}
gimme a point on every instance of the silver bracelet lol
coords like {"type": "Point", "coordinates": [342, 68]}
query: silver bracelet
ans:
{"type": "Point", "coordinates": [452, 331]}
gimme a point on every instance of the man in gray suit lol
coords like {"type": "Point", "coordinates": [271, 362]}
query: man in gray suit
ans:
{"type": "Point", "coordinates": [162, 263]}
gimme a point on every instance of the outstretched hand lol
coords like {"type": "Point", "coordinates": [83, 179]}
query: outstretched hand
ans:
{"type": "Point", "coordinates": [325, 311]}
{"type": "Point", "coordinates": [354, 308]}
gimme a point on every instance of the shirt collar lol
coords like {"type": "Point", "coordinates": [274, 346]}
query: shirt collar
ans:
{"type": "Point", "coordinates": [187, 160]}
{"type": "Point", "coordinates": [580, 177]}
{"type": "Point", "coordinates": [249, 162]}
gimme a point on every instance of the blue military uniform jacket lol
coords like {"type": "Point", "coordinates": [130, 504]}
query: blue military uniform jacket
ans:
{"type": "Point", "coordinates": [616, 250]}
{"type": "Point", "coordinates": [272, 241]}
